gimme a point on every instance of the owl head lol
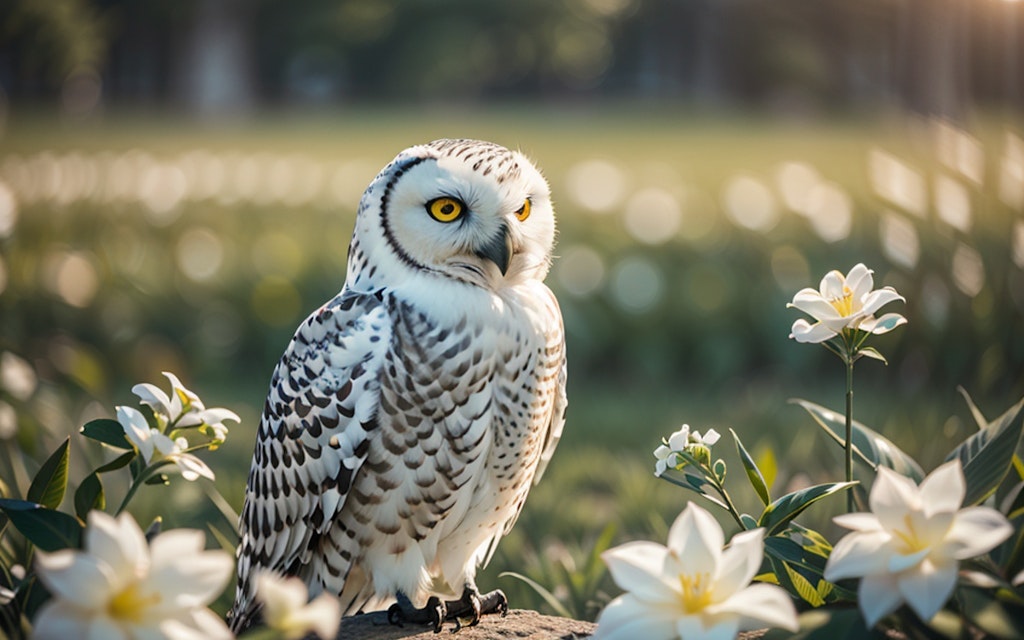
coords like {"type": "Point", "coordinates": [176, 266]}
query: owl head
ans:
{"type": "Point", "coordinates": [464, 210]}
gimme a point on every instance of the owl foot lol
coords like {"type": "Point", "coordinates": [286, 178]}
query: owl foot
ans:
{"type": "Point", "coordinates": [434, 612]}
{"type": "Point", "coordinates": [472, 605]}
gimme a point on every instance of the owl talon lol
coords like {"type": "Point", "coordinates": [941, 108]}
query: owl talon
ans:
{"type": "Point", "coordinates": [473, 606]}
{"type": "Point", "coordinates": [434, 613]}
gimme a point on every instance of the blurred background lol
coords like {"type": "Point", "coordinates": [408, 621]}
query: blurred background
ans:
{"type": "Point", "coordinates": [178, 181]}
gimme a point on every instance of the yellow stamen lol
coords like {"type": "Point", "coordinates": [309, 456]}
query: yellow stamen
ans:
{"type": "Point", "coordinates": [844, 305]}
{"type": "Point", "coordinates": [130, 604]}
{"type": "Point", "coordinates": [696, 592]}
{"type": "Point", "coordinates": [912, 543]}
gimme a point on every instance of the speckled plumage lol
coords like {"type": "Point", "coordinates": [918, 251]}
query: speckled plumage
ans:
{"type": "Point", "coordinates": [410, 415]}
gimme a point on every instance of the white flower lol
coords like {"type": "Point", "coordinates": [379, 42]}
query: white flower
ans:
{"type": "Point", "coordinates": [285, 608]}
{"type": "Point", "coordinates": [909, 547]}
{"type": "Point", "coordinates": [844, 302]}
{"type": "Point", "coordinates": [121, 588]}
{"type": "Point", "coordinates": [679, 441]}
{"type": "Point", "coordinates": [154, 446]}
{"type": "Point", "coordinates": [183, 408]}
{"type": "Point", "coordinates": [693, 588]}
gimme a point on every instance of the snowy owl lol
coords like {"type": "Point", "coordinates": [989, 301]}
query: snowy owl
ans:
{"type": "Point", "coordinates": [410, 415]}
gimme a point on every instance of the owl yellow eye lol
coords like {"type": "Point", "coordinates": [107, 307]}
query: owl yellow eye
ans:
{"type": "Point", "coordinates": [445, 209]}
{"type": "Point", "coordinates": [523, 212]}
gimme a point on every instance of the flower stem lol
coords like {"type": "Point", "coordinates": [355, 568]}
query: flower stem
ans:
{"type": "Point", "coordinates": [731, 507]}
{"type": "Point", "coordinates": [849, 429]}
{"type": "Point", "coordinates": [146, 474]}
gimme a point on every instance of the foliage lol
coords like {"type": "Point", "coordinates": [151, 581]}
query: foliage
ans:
{"type": "Point", "coordinates": [987, 598]}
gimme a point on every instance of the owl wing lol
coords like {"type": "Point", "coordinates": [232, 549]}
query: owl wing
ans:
{"type": "Point", "coordinates": [556, 342]}
{"type": "Point", "coordinates": [313, 437]}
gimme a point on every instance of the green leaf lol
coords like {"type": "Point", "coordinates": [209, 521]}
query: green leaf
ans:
{"type": "Point", "coordinates": [778, 514]}
{"type": "Point", "coordinates": [871, 352]}
{"type": "Point", "coordinates": [988, 455]}
{"type": "Point", "coordinates": [768, 465]}
{"type": "Point", "coordinates": [807, 592]}
{"type": "Point", "coordinates": [107, 431]}
{"type": "Point", "coordinates": [51, 481]}
{"type": "Point", "coordinates": [868, 446]}
{"type": "Point", "coordinates": [753, 472]}
{"type": "Point", "coordinates": [749, 521]}
{"type": "Point", "coordinates": [159, 479]}
{"type": "Point", "coordinates": [89, 496]}
{"type": "Point", "coordinates": [979, 418]}
{"type": "Point", "coordinates": [719, 470]}
{"type": "Point", "coordinates": [996, 619]}
{"type": "Point", "coordinates": [548, 597]}
{"type": "Point", "coordinates": [45, 528]}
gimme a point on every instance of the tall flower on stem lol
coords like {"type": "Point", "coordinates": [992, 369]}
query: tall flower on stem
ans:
{"type": "Point", "coordinates": [844, 309]}
{"type": "Point", "coordinates": [177, 417]}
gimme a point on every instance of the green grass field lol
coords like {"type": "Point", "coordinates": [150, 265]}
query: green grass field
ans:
{"type": "Point", "coordinates": [139, 245]}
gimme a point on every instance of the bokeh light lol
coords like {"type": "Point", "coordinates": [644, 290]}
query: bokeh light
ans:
{"type": "Point", "coordinates": [637, 285]}
{"type": "Point", "coordinates": [652, 216]}
{"type": "Point", "coordinates": [749, 203]}
{"type": "Point", "coordinates": [596, 185]}
{"type": "Point", "coordinates": [580, 270]}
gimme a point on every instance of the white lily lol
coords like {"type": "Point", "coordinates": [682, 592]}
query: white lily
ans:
{"type": "Point", "coordinates": [183, 408]}
{"type": "Point", "coordinates": [844, 302]}
{"type": "Point", "coordinates": [287, 609]}
{"type": "Point", "coordinates": [121, 588]}
{"type": "Point", "coordinates": [693, 588]}
{"type": "Point", "coordinates": [908, 549]}
{"type": "Point", "coordinates": [680, 441]}
{"type": "Point", "coordinates": [154, 446]}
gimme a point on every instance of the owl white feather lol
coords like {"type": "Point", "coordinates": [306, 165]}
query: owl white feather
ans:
{"type": "Point", "coordinates": [410, 415]}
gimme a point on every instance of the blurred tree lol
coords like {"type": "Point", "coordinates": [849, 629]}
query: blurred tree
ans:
{"type": "Point", "coordinates": [42, 43]}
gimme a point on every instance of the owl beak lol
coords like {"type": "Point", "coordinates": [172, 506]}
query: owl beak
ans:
{"type": "Point", "coordinates": [499, 250]}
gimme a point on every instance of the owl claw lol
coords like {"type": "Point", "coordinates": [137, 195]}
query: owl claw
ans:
{"type": "Point", "coordinates": [435, 613]}
{"type": "Point", "coordinates": [472, 606]}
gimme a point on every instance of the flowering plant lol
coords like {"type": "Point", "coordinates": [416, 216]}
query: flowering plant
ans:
{"type": "Point", "coordinates": [931, 558]}
{"type": "Point", "coordinates": [104, 576]}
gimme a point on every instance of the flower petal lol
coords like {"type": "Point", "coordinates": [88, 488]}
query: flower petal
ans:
{"type": "Point", "coordinates": [696, 539]}
{"type": "Point", "coordinates": [638, 567]}
{"type": "Point", "coordinates": [813, 304]}
{"type": "Point", "coordinates": [805, 332]}
{"type": "Point", "coordinates": [899, 562]}
{"type": "Point", "coordinates": [892, 496]}
{"type": "Point", "coordinates": [857, 554]}
{"type": "Point", "coordinates": [976, 530]}
{"type": "Point", "coordinates": [860, 281]}
{"type": "Point", "coordinates": [195, 624]}
{"type": "Point", "coordinates": [102, 627]}
{"type": "Point", "coordinates": [885, 324]}
{"type": "Point", "coordinates": [76, 577]}
{"type": "Point", "coordinates": [627, 618]}
{"type": "Point", "coordinates": [186, 575]}
{"type": "Point", "coordinates": [740, 562]}
{"type": "Point", "coordinates": [708, 627]}
{"type": "Point", "coordinates": [878, 596]}
{"type": "Point", "coordinates": [279, 596]}
{"type": "Point", "coordinates": [711, 437]}
{"type": "Point", "coordinates": [192, 467]}
{"type": "Point", "coordinates": [153, 396]}
{"type": "Point", "coordinates": [678, 440]}
{"type": "Point", "coordinates": [136, 429]}
{"type": "Point", "coordinates": [944, 488]}
{"type": "Point", "coordinates": [60, 620]}
{"type": "Point", "coordinates": [859, 521]}
{"type": "Point", "coordinates": [761, 605]}
{"type": "Point", "coordinates": [928, 588]}
{"type": "Point", "coordinates": [119, 543]}
{"type": "Point", "coordinates": [832, 285]}
{"type": "Point", "coordinates": [878, 299]}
